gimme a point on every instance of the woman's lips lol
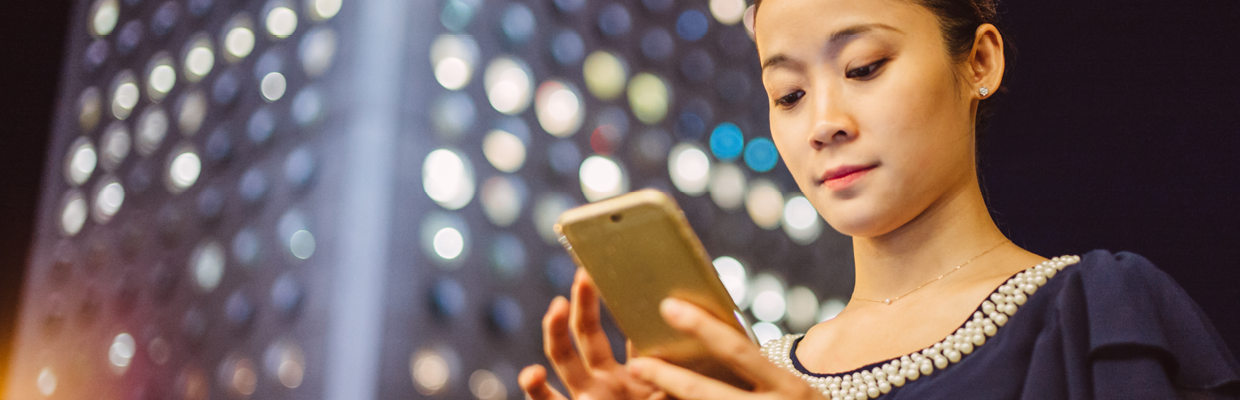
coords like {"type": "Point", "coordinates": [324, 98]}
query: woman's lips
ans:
{"type": "Point", "coordinates": [843, 177]}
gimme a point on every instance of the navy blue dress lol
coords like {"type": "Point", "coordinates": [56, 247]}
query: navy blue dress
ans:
{"type": "Point", "coordinates": [1112, 326]}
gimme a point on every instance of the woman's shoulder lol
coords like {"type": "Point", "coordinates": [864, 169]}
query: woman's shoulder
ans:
{"type": "Point", "coordinates": [1121, 306]}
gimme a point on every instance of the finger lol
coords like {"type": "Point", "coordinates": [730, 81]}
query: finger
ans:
{"type": "Point", "coordinates": [681, 383]}
{"type": "Point", "coordinates": [558, 346]}
{"type": "Point", "coordinates": [629, 353]}
{"type": "Point", "coordinates": [725, 343]}
{"type": "Point", "coordinates": [587, 326]}
{"type": "Point", "coordinates": [533, 380]}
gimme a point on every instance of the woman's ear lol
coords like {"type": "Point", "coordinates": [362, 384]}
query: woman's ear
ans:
{"type": "Point", "coordinates": [986, 62]}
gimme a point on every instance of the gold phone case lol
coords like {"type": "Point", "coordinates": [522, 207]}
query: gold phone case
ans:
{"type": "Point", "coordinates": [639, 249]}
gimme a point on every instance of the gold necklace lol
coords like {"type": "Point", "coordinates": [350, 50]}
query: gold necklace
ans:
{"type": "Point", "coordinates": [892, 300]}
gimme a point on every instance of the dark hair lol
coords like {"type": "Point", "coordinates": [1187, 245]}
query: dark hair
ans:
{"type": "Point", "coordinates": [958, 21]}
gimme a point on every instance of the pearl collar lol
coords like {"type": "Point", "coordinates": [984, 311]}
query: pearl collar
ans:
{"type": "Point", "coordinates": [872, 383]}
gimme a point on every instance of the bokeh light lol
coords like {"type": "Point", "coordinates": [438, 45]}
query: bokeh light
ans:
{"type": "Point", "coordinates": [108, 200]}
{"type": "Point", "coordinates": [432, 370]}
{"type": "Point", "coordinates": [689, 168]}
{"type": "Point", "coordinates": [199, 58]}
{"type": "Point", "coordinates": [238, 38]}
{"type": "Point", "coordinates": [454, 58]}
{"type": "Point", "coordinates": [486, 386]}
{"type": "Point", "coordinates": [764, 203]}
{"type": "Point", "coordinates": [728, 12]}
{"type": "Point", "coordinates": [317, 51]}
{"type": "Point", "coordinates": [802, 308]}
{"type": "Point", "coordinates": [801, 221]}
{"type": "Point", "coordinates": [114, 146]}
{"type": "Point", "coordinates": [273, 86]}
{"type": "Point", "coordinates": [547, 210]}
{"type": "Point", "coordinates": [691, 25]}
{"type": "Point", "coordinates": [448, 178]}
{"type": "Point", "coordinates": [121, 352]}
{"type": "Point", "coordinates": [735, 279]}
{"type": "Point", "coordinates": [559, 108]}
{"type": "Point", "coordinates": [605, 75]}
{"type": "Point", "coordinates": [103, 17]}
{"type": "Point", "coordinates": [124, 95]}
{"type": "Point", "coordinates": [601, 178]}
{"type": "Point", "coordinates": [151, 130]}
{"type": "Point", "coordinates": [761, 155]}
{"type": "Point", "coordinates": [504, 150]}
{"type": "Point", "coordinates": [766, 300]}
{"type": "Point", "coordinates": [649, 97]}
{"type": "Point", "coordinates": [46, 382]}
{"type": "Point", "coordinates": [766, 331]}
{"type": "Point", "coordinates": [445, 237]}
{"type": "Point", "coordinates": [80, 162]}
{"type": "Point", "coordinates": [509, 85]}
{"type": "Point", "coordinates": [183, 170]}
{"type": "Point", "coordinates": [281, 21]}
{"type": "Point", "coordinates": [161, 77]}
{"type": "Point", "coordinates": [207, 266]}
{"type": "Point", "coordinates": [502, 199]}
{"type": "Point", "coordinates": [830, 308]}
{"type": "Point", "coordinates": [726, 141]}
{"type": "Point", "coordinates": [73, 213]}
{"type": "Point", "coordinates": [324, 9]}
{"type": "Point", "coordinates": [727, 186]}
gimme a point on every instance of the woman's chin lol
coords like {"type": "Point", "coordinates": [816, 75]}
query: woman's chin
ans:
{"type": "Point", "coordinates": [857, 224]}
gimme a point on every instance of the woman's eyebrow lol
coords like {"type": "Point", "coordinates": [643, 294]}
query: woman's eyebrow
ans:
{"type": "Point", "coordinates": [835, 43]}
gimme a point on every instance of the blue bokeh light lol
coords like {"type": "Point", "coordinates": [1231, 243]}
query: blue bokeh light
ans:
{"type": "Point", "coordinates": [692, 25]}
{"type": "Point", "coordinates": [727, 142]}
{"type": "Point", "coordinates": [761, 155]}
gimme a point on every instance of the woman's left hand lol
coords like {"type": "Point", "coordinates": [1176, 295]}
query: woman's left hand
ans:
{"type": "Point", "coordinates": [728, 346]}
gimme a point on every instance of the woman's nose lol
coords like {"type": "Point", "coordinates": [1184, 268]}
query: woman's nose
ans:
{"type": "Point", "coordinates": [832, 124]}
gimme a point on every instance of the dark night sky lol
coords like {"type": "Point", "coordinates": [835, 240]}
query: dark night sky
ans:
{"type": "Point", "coordinates": [1120, 129]}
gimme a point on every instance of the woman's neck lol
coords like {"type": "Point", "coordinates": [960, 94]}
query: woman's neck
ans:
{"type": "Point", "coordinates": [952, 231]}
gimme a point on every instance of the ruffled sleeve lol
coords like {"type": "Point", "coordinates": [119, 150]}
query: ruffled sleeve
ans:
{"type": "Point", "coordinates": [1142, 335]}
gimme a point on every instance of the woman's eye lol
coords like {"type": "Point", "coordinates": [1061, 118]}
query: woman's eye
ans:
{"type": "Point", "coordinates": [789, 99]}
{"type": "Point", "coordinates": [866, 71]}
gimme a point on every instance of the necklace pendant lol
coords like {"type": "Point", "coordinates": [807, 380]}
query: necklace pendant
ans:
{"type": "Point", "coordinates": [888, 301]}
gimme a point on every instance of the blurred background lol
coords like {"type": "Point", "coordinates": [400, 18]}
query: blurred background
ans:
{"type": "Point", "coordinates": [352, 199]}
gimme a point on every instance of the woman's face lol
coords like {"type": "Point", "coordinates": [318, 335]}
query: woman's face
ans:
{"type": "Point", "coordinates": [866, 109]}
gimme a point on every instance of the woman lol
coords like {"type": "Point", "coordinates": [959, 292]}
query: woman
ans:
{"type": "Point", "coordinates": [874, 106]}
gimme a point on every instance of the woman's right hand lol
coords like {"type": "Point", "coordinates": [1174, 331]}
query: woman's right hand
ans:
{"type": "Point", "coordinates": [589, 370]}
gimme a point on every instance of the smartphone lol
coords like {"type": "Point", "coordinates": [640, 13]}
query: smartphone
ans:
{"type": "Point", "coordinates": [639, 249]}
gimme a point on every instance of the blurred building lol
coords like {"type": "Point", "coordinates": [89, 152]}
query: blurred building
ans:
{"type": "Point", "coordinates": [353, 199]}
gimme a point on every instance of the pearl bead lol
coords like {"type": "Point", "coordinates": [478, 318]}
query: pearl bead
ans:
{"type": "Point", "coordinates": [884, 387]}
{"type": "Point", "coordinates": [953, 356]}
{"type": "Point", "coordinates": [940, 362]}
{"type": "Point", "coordinates": [1001, 319]}
{"type": "Point", "coordinates": [872, 392]}
{"type": "Point", "coordinates": [912, 374]}
{"type": "Point", "coordinates": [979, 340]}
{"type": "Point", "coordinates": [1019, 299]}
{"type": "Point", "coordinates": [988, 307]}
{"type": "Point", "coordinates": [990, 330]}
{"type": "Point", "coordinates": [926, 369]}
{"type": "Point", "coordinates": [1050, 273]}
{"type": "Point", "coordinates": [897, 380]}
{"type": "Point", "coordinates": [996, 297]}
{"type": "Point", "coordinates": [966, 347]}
{"type": "Point", "coordinates": [1009, 308]}
{"type": "Point", "coordinates": [880, 375]}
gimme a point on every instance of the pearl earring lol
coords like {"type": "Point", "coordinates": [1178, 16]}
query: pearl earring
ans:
{"type": "Point", "coordinates": [984, 91]}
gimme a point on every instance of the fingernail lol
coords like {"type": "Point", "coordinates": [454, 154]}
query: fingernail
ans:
{"type": "Point", "coordinates": [672, 308]}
